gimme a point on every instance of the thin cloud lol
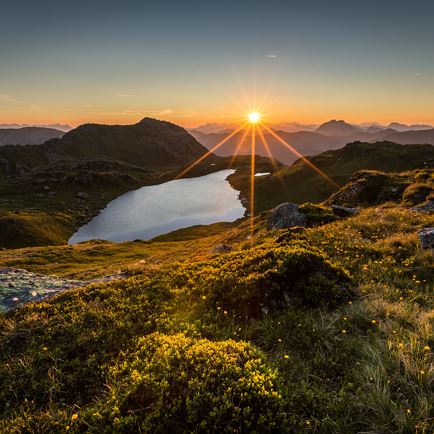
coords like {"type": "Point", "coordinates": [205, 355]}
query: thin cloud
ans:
{"type": "Point", "coordinates": [272, 56]}
{"type": "Point", "coordinates": [162, 112]}
{"type": "Point", "coordinates": [8, 98]}
{"type": "Point", "coordinates": [124, 95]}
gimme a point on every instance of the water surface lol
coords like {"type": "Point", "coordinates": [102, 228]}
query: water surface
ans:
{"type": "Point", "coordinates": [158, 209]}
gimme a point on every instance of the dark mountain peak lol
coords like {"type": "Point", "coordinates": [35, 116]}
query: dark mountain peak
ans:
{"type": "Point", "coordinates": [150, 144]}
{"type": "Point", "coordinates": [337, 128]}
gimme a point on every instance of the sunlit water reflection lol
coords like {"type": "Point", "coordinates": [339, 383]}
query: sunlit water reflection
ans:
{"type": "Point", "coordinates": [158, 209]}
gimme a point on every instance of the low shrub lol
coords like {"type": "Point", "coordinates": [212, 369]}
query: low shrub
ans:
{"type": "Point", "coordinates": [178, 384]}
{"type": "Point", "coordinates": [266, 278]}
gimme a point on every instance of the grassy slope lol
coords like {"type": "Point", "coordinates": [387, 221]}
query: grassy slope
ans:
{"type": "Point", "coordinates": [364, 366]}
{"type": "Point", "coordinates": [99, 258]}
{"type": "Point", "coordinates": [299, 183]}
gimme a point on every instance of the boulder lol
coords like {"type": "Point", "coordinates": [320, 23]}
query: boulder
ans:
{"type": "Point", "coordinates": [222, 248]}
{"type": "Point", "coordinates": [83, 195]}
{"type": "Point", "coordinates": [426, 207]}
{"type": "Point", "coordinates": [286, 215]}
{"type": "Point", "coordinates": [426, 237]}
{"type": "Point", "coordinates": [343, 211]}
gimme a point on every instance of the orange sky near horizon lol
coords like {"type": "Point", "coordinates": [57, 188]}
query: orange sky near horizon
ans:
{"type": "Point", "coordinates": [190, 118]}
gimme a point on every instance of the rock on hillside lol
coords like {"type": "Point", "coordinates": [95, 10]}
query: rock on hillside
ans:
{"type": "Point", "coordinates": [286, 215]}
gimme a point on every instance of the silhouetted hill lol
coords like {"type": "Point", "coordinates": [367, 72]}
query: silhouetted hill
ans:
{"type": "Point", "coordinates": [148, 144]}
{"type": "Point", "coordinates": [28, 135]}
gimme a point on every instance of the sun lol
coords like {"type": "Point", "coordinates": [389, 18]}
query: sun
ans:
{"type": "Point", "coordinates": [254, 117]}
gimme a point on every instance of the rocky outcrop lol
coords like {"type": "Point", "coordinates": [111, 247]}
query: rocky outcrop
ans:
{"type": "Point", "coordinates": [286, 215]}
{"type": "Point", "coordinates": [369, 187]}
{"type": "Point", "coordinates": [426, 207]}
{"type": "Point", "coordinates": [222, 248]}
{"type": "Point", "coordinates": [342, 211]}
{"type": "Point", "coordinates": [426, 237]}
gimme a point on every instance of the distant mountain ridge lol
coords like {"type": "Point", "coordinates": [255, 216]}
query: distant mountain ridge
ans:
{"type": "Point", "coordinates": [328, 136]}
{"type": "Point", "coordinates": [61, 127]}
{"type": "Point", "coordinates": [28, 135]}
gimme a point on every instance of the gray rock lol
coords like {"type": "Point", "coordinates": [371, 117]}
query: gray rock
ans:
{"type": "Point", "coordinates": [426, 237]}
{"type": "Point", "coordinates": [83, 195]}
{"type": "Point", "coordinates": [286, 215]}
{"type": "Point", "coordinates": [46, 187]}
{"type": "Point", "coordinates": [342, 211]}
{"type": "Point", "coordinates": [426, 207]}
{"type": "Point", "coordinates": [222, 248]}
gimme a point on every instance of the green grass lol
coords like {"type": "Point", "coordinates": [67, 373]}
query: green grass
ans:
{"type": "Point", "coordinates": [172, 335]}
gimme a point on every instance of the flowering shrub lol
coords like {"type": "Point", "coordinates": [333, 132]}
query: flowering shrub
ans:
{"type": "Point", "coordinates": [178, 384]}
{"type": "Point", "coordinates": [262, 278]}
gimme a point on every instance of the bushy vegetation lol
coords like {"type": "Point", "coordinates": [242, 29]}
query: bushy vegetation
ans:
{"type": "Point", "coordinates": [264, 278]}
{"type": "Point", "coordinates": [175, 383]}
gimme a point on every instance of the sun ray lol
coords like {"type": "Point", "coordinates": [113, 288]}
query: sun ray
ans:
{"type": "Point", "coordinates": [273, 161]}
{"type": "Point", "coordinates": [239, 144]}
{"type": "Point", "coordinates": [303, 158]}
{"type": "Point", "coordinates": [209, 152]}
{"type": "Point", "coordinates": [252, 182]}
{"type": "Point", "coordinates": [266, 146]}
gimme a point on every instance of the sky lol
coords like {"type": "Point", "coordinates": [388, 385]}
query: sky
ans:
{"type": "Point", "coordinates": [193, 62]}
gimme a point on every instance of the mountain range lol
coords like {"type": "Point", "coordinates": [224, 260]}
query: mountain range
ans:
{"type": "Point", "coordinates": [330, 135]}
{"type": "Point", "coordinates": [293, 127]}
